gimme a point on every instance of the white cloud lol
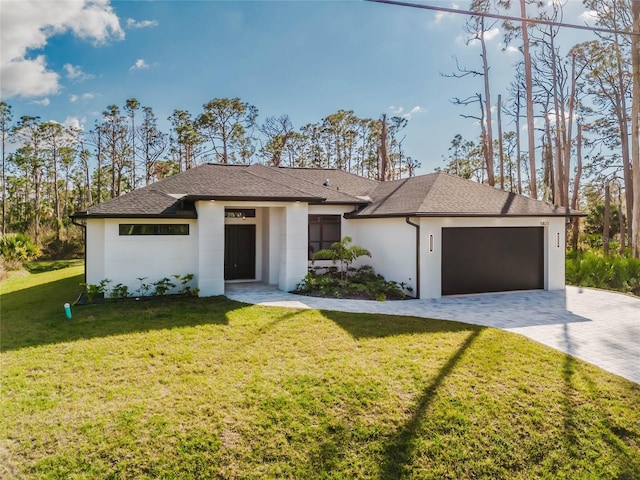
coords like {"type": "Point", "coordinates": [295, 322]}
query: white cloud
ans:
{"type": "Point", "coordinates": [397, 111]}
{"type": "Point", "coordinates": [139, 65]}
{"type": "Point", "coordinates": [28, 78]}
{"type": "Point", "coordinates": [44, 102]}
{"type": "Point", "coordinates": [510, 49]}
{"type": "Point", "coordinates": [73, 122]}
{"type": "Point", "coordinates": [74, 72]}
{"type": "Point", "coordinates": [442, 16]}
{"type": "Point", "coordinates": [588, 15]}
{"type": "Point", "coordinates": [413, 111]}
{"type": "Point", "coordinates": [28, 24]}
{"type": "Point", "coordinates": [85, 96]}
{"type": "Point", "coordinates": [131, 23]}
{"type": "Point", "coordinates": [491, 34]}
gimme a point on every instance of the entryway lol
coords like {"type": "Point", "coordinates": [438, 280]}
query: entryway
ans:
{"type": "Point", "coordinates": [239, 252]}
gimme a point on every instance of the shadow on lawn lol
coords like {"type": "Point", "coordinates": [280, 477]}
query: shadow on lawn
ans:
{"type": "Point", "coordinates": [35, 316]}
{"type": "Point", "coordinates": [397, 455]}
{"type": "Point", "coordinates": [372, 325]}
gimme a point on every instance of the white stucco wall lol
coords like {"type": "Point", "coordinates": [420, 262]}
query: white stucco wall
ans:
{"type": "Point", "coordinates": [294, 241]}
{"type": "Point", "coordinates": [392, 243]}
{"type": "Point", "coordinates": [124, 259]}
{"type": "Point", "coordinates": [210, 248]}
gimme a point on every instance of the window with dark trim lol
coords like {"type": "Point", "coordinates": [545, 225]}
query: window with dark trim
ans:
{"type": "Point", "coordinates": [240, 213]}
{"type": "Point", "coordinates": [324, 230]}
{"type": "Point", "coordinates": [154, 229]}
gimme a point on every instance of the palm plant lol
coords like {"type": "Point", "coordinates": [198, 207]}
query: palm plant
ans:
{"type": "Point", "coordinates": [343, 253]}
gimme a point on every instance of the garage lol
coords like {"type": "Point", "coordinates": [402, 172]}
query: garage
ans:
{"type": "Point", "coordinates": [492, 259]}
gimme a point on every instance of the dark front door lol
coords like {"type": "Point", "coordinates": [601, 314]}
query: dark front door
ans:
{"type": "Point", "coordinates": [239, 252]}
{"type": "Point", "coordinates": [496, 259]}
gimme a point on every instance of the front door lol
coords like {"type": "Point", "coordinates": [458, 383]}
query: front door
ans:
{"type": "Point", "coordinates": [239, 252]}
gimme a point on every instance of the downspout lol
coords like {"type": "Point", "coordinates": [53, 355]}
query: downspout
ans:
{"type": "Point", "coordinates": [84, 239]}
{"type": "Point", "coordinates": [417, 255]}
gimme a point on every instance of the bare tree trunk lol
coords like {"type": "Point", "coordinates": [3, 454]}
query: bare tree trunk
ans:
{"type": "Point", "coordinates": [529, 91]}
{"type": "Point", "coordinates": [559, 167]}
{"type": "Point", "coordinates": [634, 234]}
{"type": "Point", "coordinates": [500, 146]}
{"type": "Point", "coordinates": [383, 150]}
{"type": "Point", "coordinates": [518, 145]}
{"type": "Point", "coordinates": [607, 218]}
{"type": "Point", "coordinates": [576, 188]}
{"type": "Point", "coordinates": [488, 154]}
{"type": "Point", "coordinates": [623, 227]}
{"type": "Point", "coordinates": [568, 137]}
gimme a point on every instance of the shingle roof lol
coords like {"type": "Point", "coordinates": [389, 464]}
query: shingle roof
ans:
{"type": "Point", "coordinates": [174, 196]}
{"type": "Point", "coordinates": [441, 194]}
{"type": "Point", "coordinates": [436, 194]}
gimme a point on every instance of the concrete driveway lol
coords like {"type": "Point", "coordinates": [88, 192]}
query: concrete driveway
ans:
{"type": "Point", "coordinates": [600, 327]}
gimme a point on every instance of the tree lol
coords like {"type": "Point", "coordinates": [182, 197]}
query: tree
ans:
{"type": "Point", "coordinates": [154, 143]}
{"type": "Point", "coordinates": [635, 129]}
{"type": "Point", "coordinates": [187, 139]}
{"type": "Point", "coordinates": [131, 106]}
{"type": "Point", "coordinates": [278, 132]}
{"type": "Point", "coordinates": [5, 119]}
{"type": "Point", "coordinates": [225, 122]}
{"type": "Point", "coordinates": [523, 31]}
{"type": "Point", "coordinates": [28, 131]}
{"type": "Point", "coordinates": [116, 147]}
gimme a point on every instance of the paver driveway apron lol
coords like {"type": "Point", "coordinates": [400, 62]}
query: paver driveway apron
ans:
{"type": "Point", "coordinates": [600, 327]}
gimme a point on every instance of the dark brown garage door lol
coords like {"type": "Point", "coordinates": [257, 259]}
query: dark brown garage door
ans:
{"type": "Point", "coordinates": [492, 259]}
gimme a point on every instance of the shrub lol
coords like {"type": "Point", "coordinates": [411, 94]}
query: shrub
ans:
{"type": "Point", "coordinates": [361, 282]}
{"type": "Point", "coordinates": [594, 269]}
{"type": "Point", "coordinates": [17, 248]}
{"type": "Point", "coordinates": [343, 253]}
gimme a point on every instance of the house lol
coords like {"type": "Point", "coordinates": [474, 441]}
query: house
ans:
{"type": "Point", "coordinates": [438, 233]}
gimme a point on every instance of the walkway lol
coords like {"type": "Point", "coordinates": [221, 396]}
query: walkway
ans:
{"type": "Point", "coordinates": [600, 327]}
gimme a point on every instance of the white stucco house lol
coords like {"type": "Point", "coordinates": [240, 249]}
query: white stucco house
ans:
{"type": "Point", "coordinates": [440, 234]}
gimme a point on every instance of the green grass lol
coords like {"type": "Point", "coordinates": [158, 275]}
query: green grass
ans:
{"type": "Point", "coordinates": [211, 388]}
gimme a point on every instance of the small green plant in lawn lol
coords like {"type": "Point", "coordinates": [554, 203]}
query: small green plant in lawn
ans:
{"type": "Point", "coordinates": [16, 249]}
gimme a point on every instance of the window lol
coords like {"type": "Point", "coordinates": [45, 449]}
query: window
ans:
{"type": "Point", "coordinates": [240, 213]}
{"type": "Point", "coordinates": [154, 229]}
{"type": "Point", "coordinates": [323, 231]}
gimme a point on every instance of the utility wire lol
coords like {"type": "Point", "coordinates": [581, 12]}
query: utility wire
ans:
{"type": "Point", "coordinates": [538, 21]}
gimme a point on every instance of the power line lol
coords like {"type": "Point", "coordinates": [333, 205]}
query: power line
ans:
{"type": "Point", "coordinates": [538, 21]}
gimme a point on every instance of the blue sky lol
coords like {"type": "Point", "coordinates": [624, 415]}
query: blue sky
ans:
{"type": "Point", "coordinates": [66, 61]}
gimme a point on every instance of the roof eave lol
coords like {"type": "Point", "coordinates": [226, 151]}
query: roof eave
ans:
{"type": "Point", "coordinates": [463, 215]}
{"type": "Point", "coordinates": [86, 215]}
{"type": "Point", "coordinates": [234, 198]}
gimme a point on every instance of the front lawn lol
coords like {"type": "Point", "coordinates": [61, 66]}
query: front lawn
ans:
{"type": "Point", "coordinates": [211, 388]}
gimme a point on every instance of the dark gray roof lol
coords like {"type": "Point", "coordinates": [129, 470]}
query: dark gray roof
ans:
{"type": "Point", "coordinates": [338, 179]}
{"type": "Point", "coordinates": [174, 196]}
{"type": "Point", "coordinates": [436, 194]}
{"type": "Point", "coordinates": [441, 194]}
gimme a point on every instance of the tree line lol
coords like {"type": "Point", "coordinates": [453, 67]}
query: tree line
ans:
{"type": "Point", "coordinates": [53, 170]}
